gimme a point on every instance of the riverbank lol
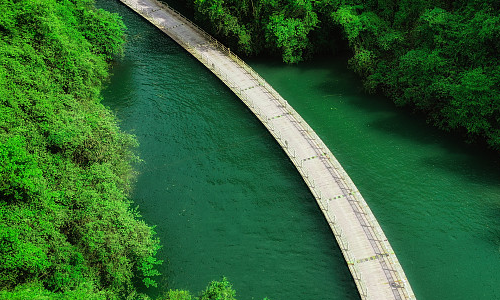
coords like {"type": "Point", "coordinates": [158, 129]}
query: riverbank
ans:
{"type": "Point", "coordinates": [371, 260]}
{"type": "Point", "coordinates": [198, 183]}
{"type": "Point", "coordinates": [67, 228]}
{"type": "Point", "coordinates": [418, 53]}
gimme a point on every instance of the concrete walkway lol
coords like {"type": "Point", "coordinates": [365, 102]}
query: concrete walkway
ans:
{"type": "Point", "coordinates": [371, 260]}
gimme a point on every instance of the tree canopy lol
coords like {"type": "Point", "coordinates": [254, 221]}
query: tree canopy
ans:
{"type": "Point", "coordinates": [67, 229]}
{"type": "Point", "coordinates": [439, 57]}
{"type": "Point", "coordinates": [67, 226]}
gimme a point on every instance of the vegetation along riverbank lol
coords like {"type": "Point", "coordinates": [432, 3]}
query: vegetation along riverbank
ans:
{"type": "Point", "coordinates": [438, 57]}
{"type": "Point", "coordinates": [68, 229]}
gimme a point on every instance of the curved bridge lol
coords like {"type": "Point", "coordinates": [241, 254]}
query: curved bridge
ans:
{"type": "Point", "coordinates": [369, 256]}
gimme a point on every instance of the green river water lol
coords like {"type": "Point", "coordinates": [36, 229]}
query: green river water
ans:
{"type": "Point", "coordinates": [227, 201]}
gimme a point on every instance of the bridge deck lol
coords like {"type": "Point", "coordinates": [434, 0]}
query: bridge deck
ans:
{"type": "Point", "coordinates": [370, 258]}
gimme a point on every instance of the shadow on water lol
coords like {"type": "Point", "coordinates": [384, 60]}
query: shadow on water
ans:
{"type": "Point", "coordinates": [224, 197]}
{"type": "Point", "coordinates": [475, 162]}
{"type": "Point", "coordinates": [216, 217]}
{"type": "Point", "coordinates": [494, 228]}
{"type": "Point", "coordinates": [436, 197]}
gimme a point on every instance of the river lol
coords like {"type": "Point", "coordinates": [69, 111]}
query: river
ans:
{"type": "Point", "coordinates": [226, 200]}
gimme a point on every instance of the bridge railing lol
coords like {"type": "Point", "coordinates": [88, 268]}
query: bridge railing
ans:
{"type": "Point", "coordinates": [337, 231]}
{"type": "Point", "coordinates": [321, 148]}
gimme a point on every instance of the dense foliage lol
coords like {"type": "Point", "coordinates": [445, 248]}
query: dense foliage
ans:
{"type": "Point", "coordinates": [440, 57]}
{"type": "Point", "coordinates": [66, 227]}
{"type": "Point", "coordinates": [216, 290]}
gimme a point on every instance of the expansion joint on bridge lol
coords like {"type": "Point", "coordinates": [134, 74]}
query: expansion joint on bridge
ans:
{"type": "Point", "coordinates": [203, 45]}
{"type": "Point", "coordinates": [278, 116]}
{"type": "Point", "coordinates": [344, 195]}
{"type": "Point", "coordinates": [175, 26]}
{"type": "Point", "coordinates": [325, 179]}
{"type": "Point", "coordinates": [249, 88]}
{"type": "Point", "coordinates": [321, 156]}
{"type": "Point", "coordinates": [378, 256]}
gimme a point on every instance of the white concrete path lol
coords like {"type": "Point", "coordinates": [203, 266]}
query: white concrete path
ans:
{"type": "Point", "coordinates": [371, 260]}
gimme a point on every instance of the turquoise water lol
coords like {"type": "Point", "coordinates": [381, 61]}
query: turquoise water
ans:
{"type": "Point", "coordinates": [226, 200]}
{"type": "Point", "coordinates": [224, 197]}
{"type": "Point", "coordinates": [437, 199]}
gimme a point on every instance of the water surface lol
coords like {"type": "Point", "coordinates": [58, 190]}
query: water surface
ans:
{"type": "Point", "coordinates": [437, 198]}
{"type": "Point", "coordinates": [224, 196]}
{"type": "Point", "coordinates": [226, 200]}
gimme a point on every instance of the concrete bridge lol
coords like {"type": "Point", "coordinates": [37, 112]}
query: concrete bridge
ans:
{"type": "Point", "coordinates": [369, 256]}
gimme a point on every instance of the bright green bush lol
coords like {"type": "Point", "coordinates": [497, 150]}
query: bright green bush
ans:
{"type": "Point", "coordinates": [219, 290]}
{"type": "Point", "coordinates": [216, 290]}
{"type": "Point", "coordinates": [439, 57]}
{"type": "Point", "coordinates": [66, 227]}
